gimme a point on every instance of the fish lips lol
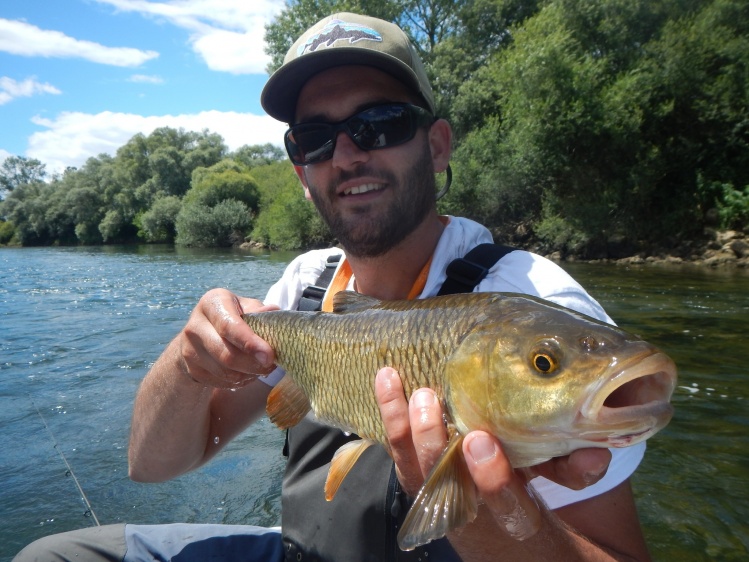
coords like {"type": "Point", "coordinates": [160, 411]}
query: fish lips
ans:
{"type": "Point", "coordinates": [632, 403]}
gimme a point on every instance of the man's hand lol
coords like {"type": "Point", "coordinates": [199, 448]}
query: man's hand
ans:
{"type": "Point", "coordinates": [417, 437]}
{"type": "Point", "coordinates": [183, 413]}
{"type": "Point", "coordinates": [217, 348]}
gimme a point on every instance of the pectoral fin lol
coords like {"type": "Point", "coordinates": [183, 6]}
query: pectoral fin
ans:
{"type": "Point", "coordinates": [446, 501]}
{"type": "Point", "coordinates": [287, 404]}
{"type": "Point", "coordinates": [343, 460]}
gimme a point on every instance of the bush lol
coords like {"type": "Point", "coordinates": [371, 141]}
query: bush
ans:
{"type": "Point", "coordinates": [158, 223]}
{"type": "Point", "coordinates": [7, 230]}
{"type": "Point", "coordinates": [286, 221]}
{"type": "Point", "coordinates": [222, 225]}
{"type": "Point", "coordinates": [733, 207]}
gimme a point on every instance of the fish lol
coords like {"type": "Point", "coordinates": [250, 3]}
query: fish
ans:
{"type": "Point", "coordinates": [543, 379]}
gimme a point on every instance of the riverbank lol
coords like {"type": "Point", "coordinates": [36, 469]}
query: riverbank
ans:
{"type": "Point", "coordinates": [724, 249]}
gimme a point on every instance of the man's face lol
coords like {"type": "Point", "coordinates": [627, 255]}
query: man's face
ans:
{"type": "Point", "coordinates": [371, 200]}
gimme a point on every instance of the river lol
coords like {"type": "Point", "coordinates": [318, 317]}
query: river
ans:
{"type": "Point", "coordinates": [79, 328]}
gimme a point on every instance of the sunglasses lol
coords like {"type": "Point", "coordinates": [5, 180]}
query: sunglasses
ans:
{"type": "Point", "coordinates": [382, 126]}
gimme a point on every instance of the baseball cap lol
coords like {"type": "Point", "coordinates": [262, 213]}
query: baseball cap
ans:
{"type": "Point", "coordinates": [341, 39]}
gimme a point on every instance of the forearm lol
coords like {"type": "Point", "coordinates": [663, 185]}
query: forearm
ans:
{"type": "Point", "coordinates": [484, 541]}
{"type": "Point", "coordinates": [171, 421]}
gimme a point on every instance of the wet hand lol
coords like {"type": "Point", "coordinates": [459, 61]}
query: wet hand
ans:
{"type": "Point", "coordinates": [417, 437]}
{"type": "Point", "coordinates": [217, 348]}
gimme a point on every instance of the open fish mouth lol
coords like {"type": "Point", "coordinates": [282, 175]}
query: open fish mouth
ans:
{"type": "Point", "coordinates": [633, 403]}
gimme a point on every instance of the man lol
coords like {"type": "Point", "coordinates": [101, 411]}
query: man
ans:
{"type": "Point", "coordinates": [366, 146]}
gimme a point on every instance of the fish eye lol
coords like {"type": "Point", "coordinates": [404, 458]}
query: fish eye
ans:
{"type": "Point", "coordinates": [546, 357]}
{"type": "Point", "coordinates": [544, 363]}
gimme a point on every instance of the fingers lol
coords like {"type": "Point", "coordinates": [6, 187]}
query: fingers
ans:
{"type": "Point", "coordinates": [504, 493]}
{"type": "Point", "coordinates": [576, 471]}
{"type": "Point", "coordinates": [394, 411]}
{"type": "Point", "coordinates": [427, 427]}
{"type": "Point", "coordinates": [217, 348]}
{"type": "Point", "coordinates": [415, 429]}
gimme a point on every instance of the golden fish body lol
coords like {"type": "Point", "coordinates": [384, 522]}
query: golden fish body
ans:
{"type": "Point", "coordinates": [543, 379]}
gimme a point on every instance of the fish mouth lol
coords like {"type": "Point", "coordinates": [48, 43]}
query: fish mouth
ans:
{"type": "Point", "coordinates": [633, 402]}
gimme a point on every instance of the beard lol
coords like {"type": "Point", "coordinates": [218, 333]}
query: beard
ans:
{"type": "Point", "coordinates": [367, 234]}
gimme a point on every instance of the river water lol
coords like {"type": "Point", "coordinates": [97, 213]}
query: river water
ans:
{"type": "Point", "coordinates": [79, 328]}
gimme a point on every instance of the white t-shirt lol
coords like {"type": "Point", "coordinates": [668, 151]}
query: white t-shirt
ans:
{"type": "Point", "coordinates": [517, 272]}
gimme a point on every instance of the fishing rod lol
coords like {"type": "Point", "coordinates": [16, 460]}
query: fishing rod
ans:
{"type": "Point", "coordinates": [89, 509]}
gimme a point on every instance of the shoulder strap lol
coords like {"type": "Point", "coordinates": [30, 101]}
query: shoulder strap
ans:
{"type": "Point", "coordinates": [464, 274]}
{"type": "Point", "coordinates": [311, 300]}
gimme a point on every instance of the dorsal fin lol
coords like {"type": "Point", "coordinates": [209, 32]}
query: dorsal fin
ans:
{"type": "Point", "coordinates": [349, 301]}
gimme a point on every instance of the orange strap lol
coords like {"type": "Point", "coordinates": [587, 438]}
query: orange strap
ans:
{"type": "Point", "coordinates": [344, 274]}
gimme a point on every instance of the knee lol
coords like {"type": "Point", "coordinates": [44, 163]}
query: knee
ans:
{"type": "Point", "coordinates": [46, 548]}
{"type": "Point", "coordinates": [93, 544]}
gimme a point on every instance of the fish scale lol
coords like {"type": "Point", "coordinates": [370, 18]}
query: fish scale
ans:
{"type": "Point", "coordinates": [334, 356]}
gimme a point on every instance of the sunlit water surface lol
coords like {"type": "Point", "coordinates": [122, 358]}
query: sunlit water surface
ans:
{"type": "Point", "coordinates": [79, 328]}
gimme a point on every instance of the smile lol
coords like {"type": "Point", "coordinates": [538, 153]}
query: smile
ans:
{"type": "Point", "coordinates": [364, 188]}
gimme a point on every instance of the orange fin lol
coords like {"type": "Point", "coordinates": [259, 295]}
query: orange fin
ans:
{"type": "Point", "coordinates": [350, 301]}
{"type": "Point", "coordinates": [446, 501]}
{"type": "Point", "coordinates": [287, 404]}
{"type": "Point", "coordinates": [343, 461]}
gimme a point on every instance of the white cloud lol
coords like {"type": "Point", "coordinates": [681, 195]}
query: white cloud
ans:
{"type": "Point", "coordinates": [21, 38]}
{"type": "Point", "coordinates": [3, 155]}
{"type": "Point", "coordinates": [227, 34]}
{"type": "Point", "coordinates": [11, 89]}
{"type": "Point", "coordinates": [146, 79]}
{"type": "Point", "coordinates": [72, 137]}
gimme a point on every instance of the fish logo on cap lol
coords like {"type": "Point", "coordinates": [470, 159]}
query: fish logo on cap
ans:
{"type": "Point", "coordinates": [339, 30]}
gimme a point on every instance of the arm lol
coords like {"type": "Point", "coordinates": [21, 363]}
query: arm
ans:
{"type": "Point", "coordinates": [201, 392]}
{"type": "Point", "coordinates": [602, 528]}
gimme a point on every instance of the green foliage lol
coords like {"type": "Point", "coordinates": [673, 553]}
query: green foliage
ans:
{"type": "Point", "coordinates": [623, 120]}
{"type": "Point", "coordinates": [7, 231]}
{"type": "Point", "coordinates": [218, 209]}
{"type": "Point", "coordinates": [558, 235]}
{"type": "Point", "coordinates": [158, 224]}
{"type": "Point", "coordinates": [221, 225]}
{"type": "Point", "coordinates": [19, 170]}
{"type": "Point", "coordinates": [256, 155]}
{"type": "Point", "coordinates": [287, 220]}
{"type": "Point", "coordinates": [609, 111]}
{"type": "Point", "coordinates": [733, 207]}
{"type": "Point", "coordinates": [224, 180]}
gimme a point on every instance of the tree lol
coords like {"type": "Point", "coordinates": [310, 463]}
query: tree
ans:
{"type": "Point", "coordinates": [286, 219]}
{"type": "Point", "coordinates": [221, 225]}
{"type": "Point", "coordinates": [258, 154]}
{"type": "Point", "coordinates": [218, 209]}
{"type": "Point", "coordinates": [19, 170]}
{"type": "Point", "coordinates": [224, 180]}
{"type": "Point", "coordinates": [158, 224]}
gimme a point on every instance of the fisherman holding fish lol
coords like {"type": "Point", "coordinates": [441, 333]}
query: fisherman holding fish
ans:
{"type": "Point", "coordinates": [366, 144]}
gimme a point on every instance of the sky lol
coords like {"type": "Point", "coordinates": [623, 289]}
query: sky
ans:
{"type": "Point", "coordinates": [79, 78]}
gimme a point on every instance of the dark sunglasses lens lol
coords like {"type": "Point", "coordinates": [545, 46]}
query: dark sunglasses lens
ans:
{"type": "Point", "coordinates": [377, 127]}
{"type": "Point", "coordinates": [307, 144]}
{"type": "Point", "coordinates": [381, 127]}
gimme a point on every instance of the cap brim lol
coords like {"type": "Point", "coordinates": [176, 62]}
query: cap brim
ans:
{"type": "Point", "coordinates": [279, 96]}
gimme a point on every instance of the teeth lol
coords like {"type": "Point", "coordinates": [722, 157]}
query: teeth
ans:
{"type": "Point", "coordinates": [362, 189]}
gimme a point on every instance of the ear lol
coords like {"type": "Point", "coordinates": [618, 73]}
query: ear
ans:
{"type": "Point", "coordinates": [440, 143]}
{"type": "Point", "coordinates": [300, 172]}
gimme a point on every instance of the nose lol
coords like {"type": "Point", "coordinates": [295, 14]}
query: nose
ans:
{"type": "Point", "coordinates": [346, 154]}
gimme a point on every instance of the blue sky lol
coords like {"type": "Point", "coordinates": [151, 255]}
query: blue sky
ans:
{"type": "Point", "coordinates": [81, 77]}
